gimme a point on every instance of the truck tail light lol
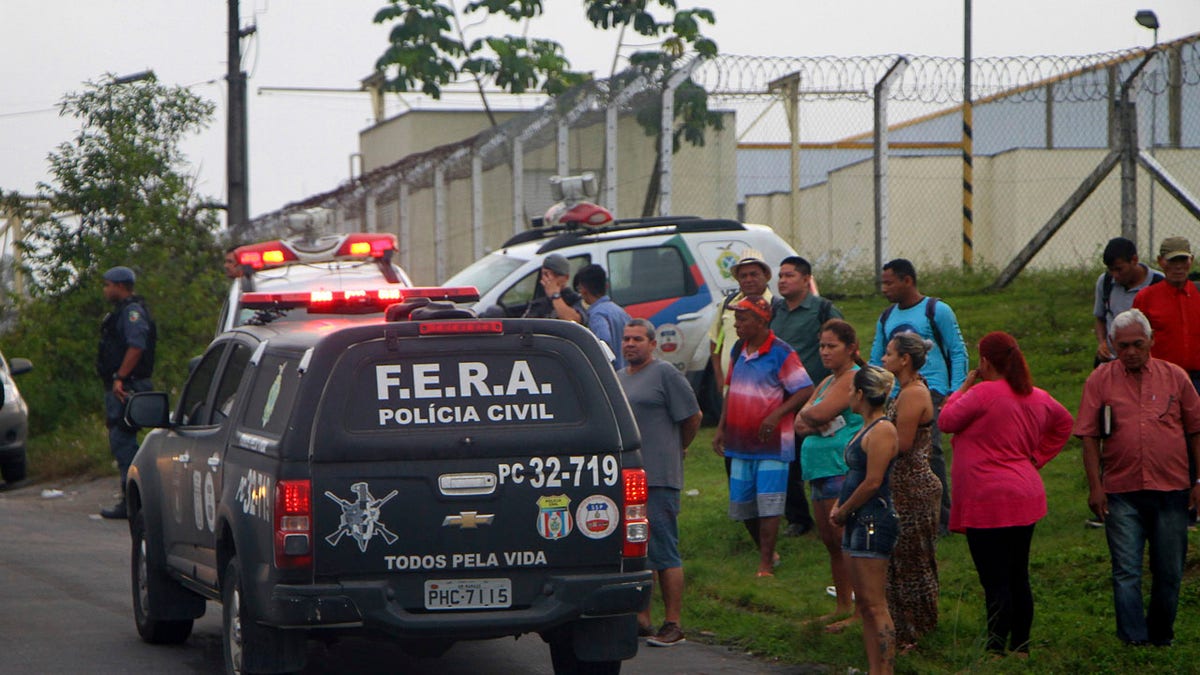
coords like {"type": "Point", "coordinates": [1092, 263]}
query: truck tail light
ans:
{"type": "Point", "coordinates": [637, 527]}
{"type": "Point", "coordinates": [293, 524]}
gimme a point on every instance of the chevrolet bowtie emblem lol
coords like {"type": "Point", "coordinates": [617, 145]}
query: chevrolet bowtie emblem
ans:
{"type": "Point", "coordinates": [469, 520]}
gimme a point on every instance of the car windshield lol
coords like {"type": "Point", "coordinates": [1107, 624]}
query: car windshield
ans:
{"type": "Point", "coordinates": [486, 272]}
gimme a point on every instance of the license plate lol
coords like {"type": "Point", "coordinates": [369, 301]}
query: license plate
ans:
{"type": "Point", "coordinates": [468, 593]}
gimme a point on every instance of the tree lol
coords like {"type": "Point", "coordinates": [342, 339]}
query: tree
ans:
{"type": "Point", "coordinates": [428, 49]}
{"type": "Point", "coordinates": [118, 195]}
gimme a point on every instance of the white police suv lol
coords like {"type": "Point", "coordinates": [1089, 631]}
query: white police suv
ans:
{"type": "Point", "coordinates": [295, 268]}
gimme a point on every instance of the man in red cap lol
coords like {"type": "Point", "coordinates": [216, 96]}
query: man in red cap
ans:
{"type": "Point", "coordinates": [752, 274]}
{"type": "Point", "coordinates": [767, 385]}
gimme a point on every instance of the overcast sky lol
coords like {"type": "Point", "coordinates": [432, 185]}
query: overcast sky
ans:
{"type": "Point", "coordinates": [300, 144]}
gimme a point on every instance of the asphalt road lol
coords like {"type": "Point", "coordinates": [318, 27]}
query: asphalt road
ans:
{"type": "Point", "coordinates": [65, 607]}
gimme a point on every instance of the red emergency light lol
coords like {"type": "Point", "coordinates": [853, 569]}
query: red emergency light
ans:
{"type": "Point", "coordinates": [359, 245]}
{"type": "Point", "coordinates": [366, 244]}
{"type": "Point", "coordinates": [460, 327]}
{"type": "Point", "coordinates": [355, 301]}
{"type": "Point", "coordinates": [265, 254]}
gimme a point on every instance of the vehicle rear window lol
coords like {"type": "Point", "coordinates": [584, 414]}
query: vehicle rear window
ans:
{"type": "Point", "coordinates": [273, 393]}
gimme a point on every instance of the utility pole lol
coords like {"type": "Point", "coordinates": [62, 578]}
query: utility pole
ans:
{"type": "Point", "coordinates": [236, 170]}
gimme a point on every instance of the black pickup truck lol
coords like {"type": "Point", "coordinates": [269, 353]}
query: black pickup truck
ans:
{"type": "Point", "coordinates": [428, 478]}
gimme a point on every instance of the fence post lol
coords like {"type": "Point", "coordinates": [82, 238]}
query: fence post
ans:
{"type": "Point", "coordinates": [404, 225]}
{"type": "Point", "coordinates": [439, 222]}
{"type": "Point", "coordinates": [563, 147]}
{"type": "Point", "coordinates": [518, 184]}
{"type": "Point", "coordinates": [369, 212]}
{"type": "Point", "coordinates": [882, 89]}
{"type": "Point", "coordinates": [667, 146]}
{"type": "Point", "coordinates": [611, 137]}
{"type": "Point", "coordinates": [789, 87]}
{"type": "Point", "coordinates": [476, 205]}
{"type": "Point", "coordinates": [1128, 143]}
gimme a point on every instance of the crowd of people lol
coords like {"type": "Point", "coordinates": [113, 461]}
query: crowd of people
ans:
{"type": "Point", "coordinates": [801, 405]}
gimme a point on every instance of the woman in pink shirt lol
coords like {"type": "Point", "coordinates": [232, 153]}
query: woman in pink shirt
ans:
{"type": "Point", "coordinates": [1005, 430]}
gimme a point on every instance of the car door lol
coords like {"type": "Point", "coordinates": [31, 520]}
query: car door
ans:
{"type": "Point", "coordinates": [184, 480]}
{"type": "Point", "coordinates": [207, 466]}
{"type": "Point", "coordinates": [661, 283]}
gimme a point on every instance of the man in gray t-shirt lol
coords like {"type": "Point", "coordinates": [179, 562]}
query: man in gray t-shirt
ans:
{"type": "Point", "coordinates": [668, 417]}
{"type": "Point", "coordinates": [1116, 288]}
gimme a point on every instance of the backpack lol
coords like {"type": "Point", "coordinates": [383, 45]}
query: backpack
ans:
{"type": "Point", "coordinates": [930, 308]}
{"type": "Point", "coordinates": [1107, 287]}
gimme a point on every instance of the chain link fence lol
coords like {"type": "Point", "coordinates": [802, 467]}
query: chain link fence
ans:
{"type": "Point", "coordinates": [1041, 126]}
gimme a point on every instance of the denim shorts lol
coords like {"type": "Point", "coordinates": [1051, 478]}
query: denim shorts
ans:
{"type": "Point", "coordinates": [872, 530]}
{"type": "Point", "coordinates": [662, 509]}
{"type": "Point", "coordinates": [829, 487]}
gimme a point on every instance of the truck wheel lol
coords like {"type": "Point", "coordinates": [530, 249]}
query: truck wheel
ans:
{"type": "Point", "coordinates": [248, 646]}
{"type": "Point", "coordinates": [151, 586]}
{"type": "Point", "coordinates": [562, 656]}
{"type": "Point", "coordinates": [13, 470]}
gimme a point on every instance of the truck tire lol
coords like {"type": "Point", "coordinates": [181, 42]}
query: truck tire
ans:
{"type": "Point", "coordinates": [565, 662]}
{"type": "Point", "coordinates": [248, 646]}
{"type": "Point", "coordinates": [151, 589]}
{"type": "Point", "coordinates": [13, 470]}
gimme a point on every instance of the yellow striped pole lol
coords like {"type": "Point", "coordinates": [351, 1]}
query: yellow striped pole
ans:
{"type": "Point", "coordinates": [968, 224]}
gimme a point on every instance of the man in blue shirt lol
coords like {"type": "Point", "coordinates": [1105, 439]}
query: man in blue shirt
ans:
{"type": "Point", "coordinates": [605, 317]}
{"type": "Point", "coordinates": [946, 365]}
{"type": "Point", "coordinates": [124, 362]}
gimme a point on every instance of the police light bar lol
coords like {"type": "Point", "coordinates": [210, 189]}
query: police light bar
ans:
{"type": "Point", "coordinates": [265, 254]}
{"type": "Point", "coordinates": [358, 245]}
{"type": "Point", "coordinates": [355, 301]}
{"type": "Point", "coordinates": [363, 245]}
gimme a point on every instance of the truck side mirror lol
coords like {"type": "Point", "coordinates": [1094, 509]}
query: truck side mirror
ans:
{"type": "Point", "coordinates": [148, 409]}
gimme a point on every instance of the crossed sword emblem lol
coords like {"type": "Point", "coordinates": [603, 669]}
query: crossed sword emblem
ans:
{"type": "Point", "coordinates": [360, 518]}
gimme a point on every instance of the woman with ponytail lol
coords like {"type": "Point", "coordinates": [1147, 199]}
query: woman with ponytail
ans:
{"type": "Point", "coordinates": [913, 572]}
{"type": "Point", "coordinates": [1005, 429]}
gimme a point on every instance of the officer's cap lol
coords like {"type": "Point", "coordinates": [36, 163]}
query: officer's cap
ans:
{"type": "Point", "coordinates": [120, 275]}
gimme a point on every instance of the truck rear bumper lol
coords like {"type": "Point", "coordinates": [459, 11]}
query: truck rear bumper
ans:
{"type": "Point", "coordinates": [369, 604]}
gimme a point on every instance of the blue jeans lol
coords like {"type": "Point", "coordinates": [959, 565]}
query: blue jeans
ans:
{"type": "Point", "coordinates": [1135, 519]}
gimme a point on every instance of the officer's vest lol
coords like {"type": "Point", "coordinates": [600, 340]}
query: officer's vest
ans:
{"type": "Point", "coordinates": [112, 343]}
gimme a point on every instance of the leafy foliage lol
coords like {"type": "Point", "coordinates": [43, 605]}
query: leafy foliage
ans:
{"type": "Point", "coordinates": [429, 50]}
{"type": "Point", "coordinates": [118, 196]}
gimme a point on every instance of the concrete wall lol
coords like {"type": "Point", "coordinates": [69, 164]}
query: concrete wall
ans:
{"type": "Point", "coordinates": [416, 131]}
{"type": "Point", "coordinates": [1015, 194]}
{"type": "Point", "coordinates": [704, 184]}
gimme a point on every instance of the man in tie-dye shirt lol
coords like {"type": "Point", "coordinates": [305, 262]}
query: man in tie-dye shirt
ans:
{"type": "Point", "coordinates": [767, 385]}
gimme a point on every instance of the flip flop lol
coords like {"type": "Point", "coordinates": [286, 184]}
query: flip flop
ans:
{"type": "Point", "coordinates": [761, 575]}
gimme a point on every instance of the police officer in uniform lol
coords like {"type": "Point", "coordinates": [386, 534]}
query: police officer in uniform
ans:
{"type": "Point", "coordinates": [124, 363]}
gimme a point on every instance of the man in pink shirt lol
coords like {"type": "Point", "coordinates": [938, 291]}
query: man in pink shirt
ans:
{"type": "Point", "coordinates": [1139, 420]}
